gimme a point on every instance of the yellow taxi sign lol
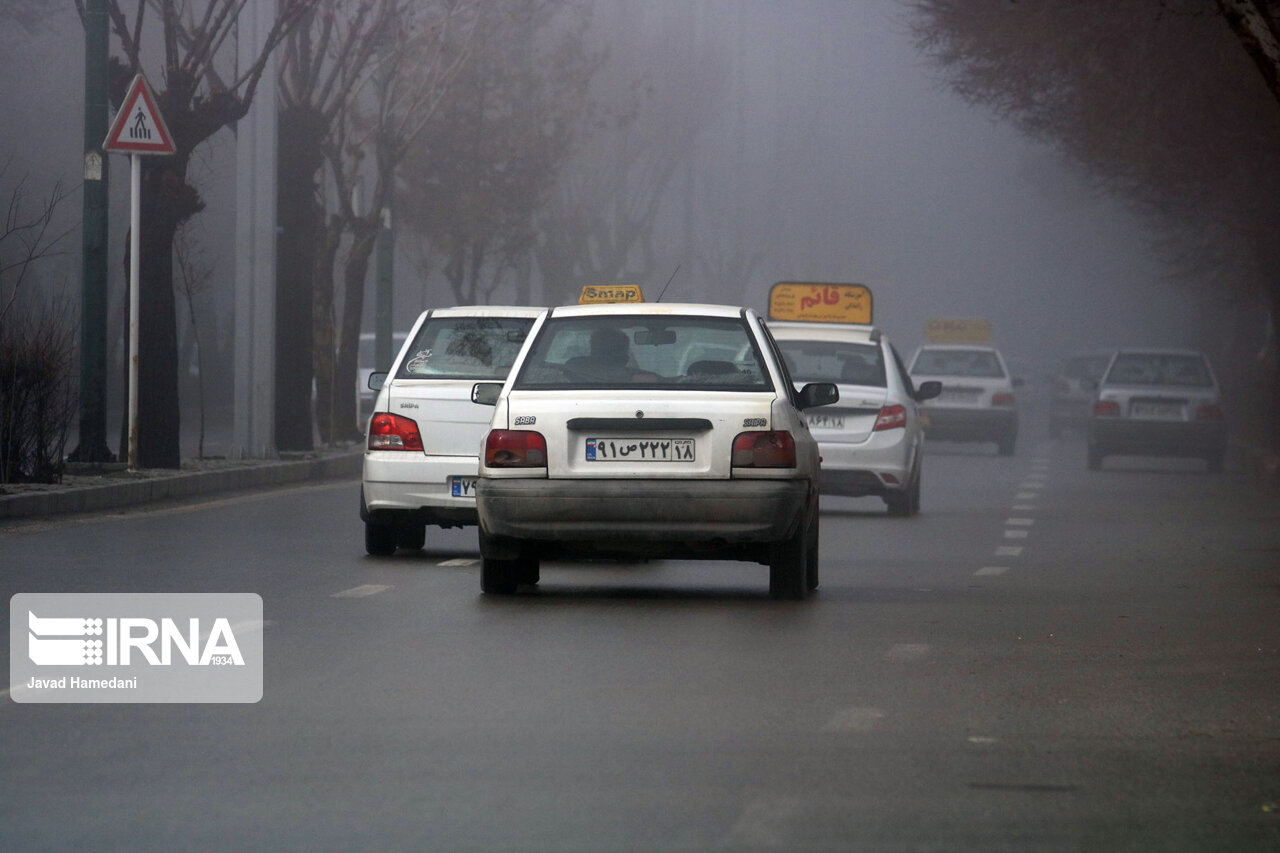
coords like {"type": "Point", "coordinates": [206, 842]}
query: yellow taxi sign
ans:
{"type": "Point", "coordinates": [596, 294]}
{"type": "Point", "coordinates": [820, 302]}
{"type": "Point", "coordinates": [957, 330]}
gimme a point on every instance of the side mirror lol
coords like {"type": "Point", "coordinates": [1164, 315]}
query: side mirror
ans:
{"type": "Point", "coordinates": [1018, 382]}
{"type": "Point", "coordinates": [818, 394]}
{"type": "Point", "coordinates": [928, 390]}
{"type": "Point", "coordinates": [486, 393]}
{"type": "Point", "coordinates": [377, 380]}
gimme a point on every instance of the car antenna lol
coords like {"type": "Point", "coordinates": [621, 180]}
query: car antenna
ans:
{"type": "Point", "coordinates": [668, 284]}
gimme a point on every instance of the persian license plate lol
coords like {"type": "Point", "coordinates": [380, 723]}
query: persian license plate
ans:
{"type": "Point", "coordinates": [640, 449]}
{"type": "Point", "coordinates": [959, 395]}
{"type": "Point", "coordinates": [825, 421]}
{"type": "Point", "coordinates": [1155, 410]}
{"type": "Point", "coordinates": [462, 487]}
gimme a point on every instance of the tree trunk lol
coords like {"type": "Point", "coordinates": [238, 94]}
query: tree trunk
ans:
{"type": "Point", "coordinates": [323, 337]}
{"type": "Point", "coordinates": [346, 419]}
{"type": "Point", "coordinates": [300, 219]}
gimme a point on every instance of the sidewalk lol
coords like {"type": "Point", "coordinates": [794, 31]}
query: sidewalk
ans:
{"type": "Point", "coordinates": [87, 489]}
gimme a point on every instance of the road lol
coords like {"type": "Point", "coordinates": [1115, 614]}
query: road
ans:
{"type": "Point", "coordinates": [1045, 659]}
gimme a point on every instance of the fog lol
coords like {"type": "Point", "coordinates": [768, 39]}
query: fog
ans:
{"type": "Point", "coordinates": [825, 149]}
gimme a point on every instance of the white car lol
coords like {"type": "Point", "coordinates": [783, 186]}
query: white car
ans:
{"type": "Point", "coordinates": [650, 430]}
{"type": "Point", "coordinates": [367, 365]}
{"type": "Point", "coordinates": [872, 441]}
{"type": "Point", "coordinates": [977, 402]}
{"type": "Point", "coordinates": [424, 433]}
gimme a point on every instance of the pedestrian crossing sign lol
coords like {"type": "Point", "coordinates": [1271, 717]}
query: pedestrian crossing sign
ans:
{"type": "Point", "coordinates": [138, 127]}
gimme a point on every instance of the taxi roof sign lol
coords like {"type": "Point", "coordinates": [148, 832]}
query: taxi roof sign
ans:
{"type": "Point", "coordinates": [957, 330]}
{"type": "Point", "coordinates": [820, 302]}
{"type": "Point", "coordinates": [138, 127]}
{"type": "Point", "coordinates": [598, 294]}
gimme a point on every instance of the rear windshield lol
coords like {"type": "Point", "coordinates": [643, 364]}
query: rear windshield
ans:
{"type": "Point", "coordinates": [1086, 367]}
{"type": "Point", "coordinates": [958, 362]}
{"type": "Point", "coordinates": [1160, 369]}
{"type": "Point", "coordinates": [704, 353]}
{"type": "Point", "coordinates": [832, 361]}
{"type": "Point", "coordinates": [464, 348]}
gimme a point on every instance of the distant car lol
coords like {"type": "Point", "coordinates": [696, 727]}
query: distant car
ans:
{"type": "Point", "coordinates": [871, 441]}
{"type": "Point", "coordinates": [366, 366]}
{"type": "Point", "coordinates": [1072, 392]}
{"type": "Point", "coordinates": [424, 436]}
{"type": "Point", "coordinates": [650, 431]}
{"type": "Point", "coordinates": [1158, 402]}
{"type": "Point", "coordinates": [977, 402]}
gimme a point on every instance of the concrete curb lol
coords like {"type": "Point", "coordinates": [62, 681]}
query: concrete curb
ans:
{"type": "Point", "coordinates": [167, 486]}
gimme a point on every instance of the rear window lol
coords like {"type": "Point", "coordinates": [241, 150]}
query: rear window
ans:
{"type": "Point", "coordinates": [1086, 367]}
{"type": "Point", "coordinates": [704, 353]}
{"type": "Point", "coordinates": [977, 363]}
{"type": "Point", "coordinates": [1160, 369]}
{"type": "Point", "coordinates": [832, 361]}
{"type": "Point", "coordinates": [465, 348]}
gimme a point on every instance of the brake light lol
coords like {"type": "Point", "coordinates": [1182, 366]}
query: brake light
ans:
{"type": "Point", "coordinates": [773, 449]}
{"type": "Point", "coordinates": [515, 448]}
{"type": "Point", "coordinates": [1106, 409]}
{"type": "Point", "coordinates": [1002, 398]}
{"type": "Point", "coordinates": [393, 432]}
{"type": "Point", "coordinates": [1209, 412]}
{"type": "Point", "coordinates": [891, 417]}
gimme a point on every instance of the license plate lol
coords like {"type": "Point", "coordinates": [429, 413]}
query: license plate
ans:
{"type": "Point", "coordinates": [1156, 411]}
{"type": "Point", "coordinates": [640, 449]}
{"type": "Point", "coordinates": [959, 395]}
{"type": "Point", "coordinates": [462, 487]}
{"type": "Point", "coordinates": [826, 421]}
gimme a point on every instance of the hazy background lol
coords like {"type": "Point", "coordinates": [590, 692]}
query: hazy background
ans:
{"type": "Point", "coordinates": [823, 148]}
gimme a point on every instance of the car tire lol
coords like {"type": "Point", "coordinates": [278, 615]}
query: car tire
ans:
{"type": "Point", "coordinates": [379, 539]}
{"type": "Point", "coordinates": [528, 571]}
{"type": "Point", "coordinates": [915, 493]}
{"type": "Point", "coordinates": [411, 536]}
{"type": "Point", "coordinates": [811, 558]}
{"type": "Point", "coordinates": [788, 566]}
{"type": "Point", "coordinates": [1006, 445]}
{"type": "Point", "coordinates": [499, 577]}
{"type": "Point", "coordinates": [1094, 460]}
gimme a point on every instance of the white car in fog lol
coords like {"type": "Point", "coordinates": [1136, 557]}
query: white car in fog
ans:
{"type": "Point", "coordinates": [424, 433]}
{"type": "Point", "coordinates": [872, 440]}
{"type": "Point", "coordinates": [977, 402]}
{"type": "Point", "coordinates": [650, 430]}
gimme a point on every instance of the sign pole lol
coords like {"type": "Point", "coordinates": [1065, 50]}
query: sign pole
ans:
{"type": "Point", "coordinates": [135, 248]}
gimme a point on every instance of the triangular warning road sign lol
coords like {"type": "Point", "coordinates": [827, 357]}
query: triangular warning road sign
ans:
{"type": "Point", "coordinates": [138, 127]}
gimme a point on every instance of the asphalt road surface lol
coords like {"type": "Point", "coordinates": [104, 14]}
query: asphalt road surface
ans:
{"type": "Point", "coordinates": [1045, 659]}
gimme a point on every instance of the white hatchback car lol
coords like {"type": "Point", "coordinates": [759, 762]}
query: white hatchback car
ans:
{"type": "Point", "coordinates": [650, 430]}
{"type": "Point", "coordinates": [424, 434]}
{"type": "Point", "coordinates": [872, 441]}
{"type": "Point", "coordinates": [977, 401]}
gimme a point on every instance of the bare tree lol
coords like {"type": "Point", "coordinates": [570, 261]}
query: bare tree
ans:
{"type": "Point", "coordinates": [192, 279]}
{"type": "Point", "coordinates": [202, 93]}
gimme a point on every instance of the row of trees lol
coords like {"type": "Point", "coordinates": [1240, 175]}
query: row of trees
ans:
{"type": "Point", "coordinates": [459, 115]}
{"type": "Point", "coordinates": [1161, 101]}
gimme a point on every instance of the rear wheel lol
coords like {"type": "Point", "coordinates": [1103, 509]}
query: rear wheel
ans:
{"type": "Point", "coordinates": [789, 566]}
{"type": "Point", "coordinates": [811, 558]}
{"type": "Point", "coordinates": [411, 536]}
{"type": "Point", "coordinates": [379, 539]}
{"type": "Point", "coordinates": [499, 577]}
{"type": "Point", "coordinates": [1007, 444]}
{"type": "Point", "coordinates": [1094, 460]}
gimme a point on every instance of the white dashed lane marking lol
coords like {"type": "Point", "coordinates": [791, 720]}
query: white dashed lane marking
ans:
{"type": "Point", "coordinates": [991, 570]}
{"type": "Point", "coordinates": [459, 561]}
{"type": "Point", "coordinates": [1016, 534]}
{"type": "Point", "coordinates": [854, 720]}
{"type": "Point", "coordinates": [362, 591]}
{"type": "Point", "coordinates": [1019, 522]}
{"type": "Point", "coordinates": [907, 652]}
{"type": "Point", "coordinates": [1009, 551]}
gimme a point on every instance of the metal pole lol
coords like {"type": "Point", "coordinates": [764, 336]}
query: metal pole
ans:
{"type": "Point", "coordinates": [383, 330]}
{"type": "Point", "coordinates": [92, 447]}
{"type": "Point", "coordinates": [135, 264]}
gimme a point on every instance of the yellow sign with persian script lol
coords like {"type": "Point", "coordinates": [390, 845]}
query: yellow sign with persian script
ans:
{"type": "Point", "coordinates": [820, 302]}
{"type": "Point", "coordinates": [957, 330]}
{"type": "Point", "coordinates": [596, 294]}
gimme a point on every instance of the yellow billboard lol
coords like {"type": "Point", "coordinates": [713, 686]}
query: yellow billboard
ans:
{"type": "Point", "coordinates": [595, 294]}
{"type": "Point", "coordinates": [820, 302]}
{"type": "Point", "coordinates": [957, 330]}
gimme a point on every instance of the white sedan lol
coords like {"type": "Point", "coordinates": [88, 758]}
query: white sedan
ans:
{"type": "Point", "coordinates": [650, 430]}
{"type": "Point", "coordinates": [424, 434]}
{"type": "Point", "coordinates": [872, 442]}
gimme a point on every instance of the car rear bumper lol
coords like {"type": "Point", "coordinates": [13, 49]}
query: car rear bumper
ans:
{"type": "Point", "coordinates": [1157, 438]}
{"type": "Point", "coordinates": [954, 424]}
{"type": "Point", "coordinates": [728, 512]}
{"type": "Point", "coordinates": [405, 485]}
{"type": "Point", "coordinates": [857, 470]}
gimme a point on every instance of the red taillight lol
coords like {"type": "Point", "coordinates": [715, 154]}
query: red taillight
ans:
{"type": "Point", "coordinates": [891, 417]}
{"type": "Point", "coordinates": [1002, 398]}
{"type": "Point", "coordinates": [774, 449]}
{"type": "Point", "coordinates": [515, 448]}
{"type": "Point", "coordinates": [1106, 409]}
{"type": "Point", "coordinates": [1209, 412]}
{"type": "Point", "coordinates": [392, 432]}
